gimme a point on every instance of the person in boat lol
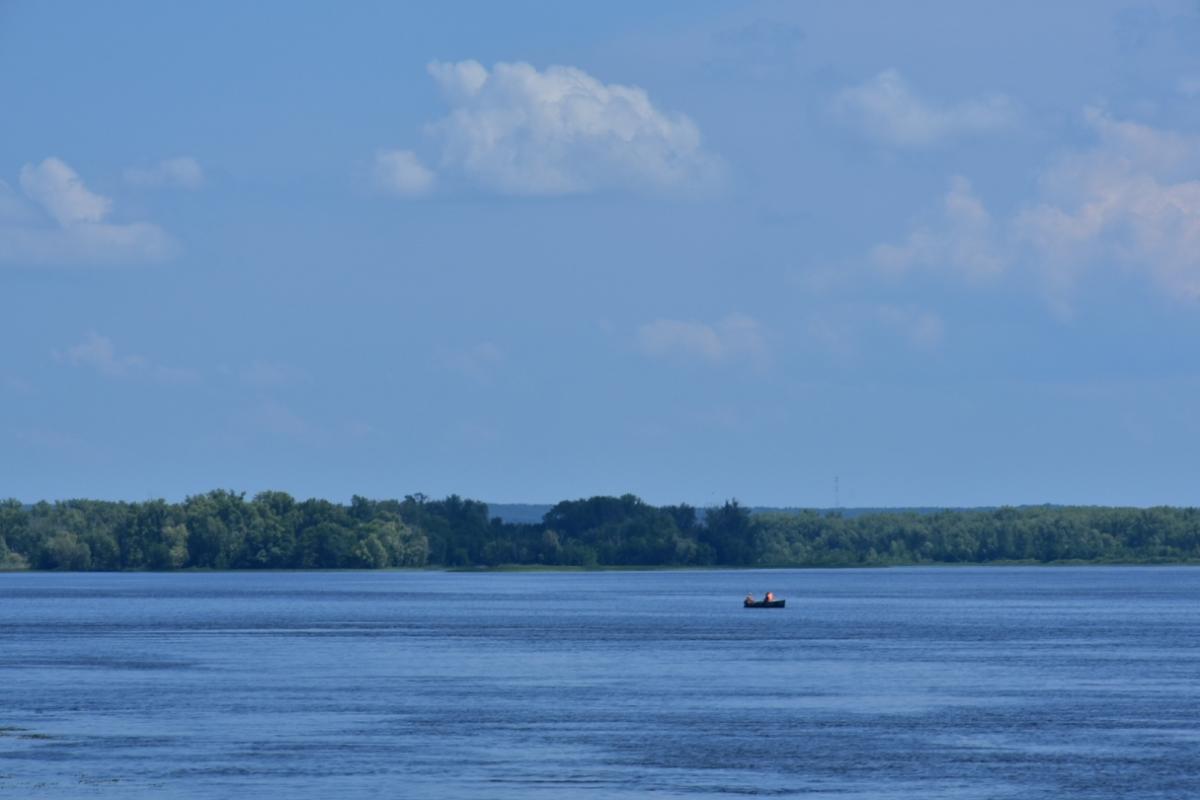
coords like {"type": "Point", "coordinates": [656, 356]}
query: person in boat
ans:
{"type": "Point", "coordinates": [749, 598]}
{"type": "Point", "coordinates": [769, 597]}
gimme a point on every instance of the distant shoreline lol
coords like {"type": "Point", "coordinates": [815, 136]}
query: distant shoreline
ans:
{"type": "Point", "coordinates": [225, 530]}
{"type": "Point", "coordinates": [573, 570]}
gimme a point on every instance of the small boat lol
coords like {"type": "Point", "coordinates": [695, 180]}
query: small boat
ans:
{"type": "Point", "coordinates": [763, 603]}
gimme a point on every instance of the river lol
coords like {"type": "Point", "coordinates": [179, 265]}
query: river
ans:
{"type": "Point", "coordinates": [990, 682]}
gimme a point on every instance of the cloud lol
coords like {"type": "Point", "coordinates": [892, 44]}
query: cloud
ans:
{"type": "Point", "coordinates": [887, 109]}
{"type": "Point", "coordinates": [98, 353]}
{"type": "Point", "coordinates": [1133, 201]}
{"type": "Point", "coordinates": [473, 433]}
{"type": "Point", "coordinates": [12, 208]}
{"type": "Point", "coordinates": [58, 189]}
{"type": "Point", "coordinates": [479, 362]}
{"type": "Point", "coordinates": [736, 338]}
{"type": "Point", "coordinates": [760, 50]}
{"type": "Point", "coordinates": [835, 334]}
{"type": "Point", "coordinates": [842, 331]}
{"type": "Point", "coordinates": [517, 130]}
{"type": "Point", "coordinates": [1130, 202]}
{"type": "Point", "coordinates": [358, 429]}
{"type": "Point", "coordinates": [86, 244]}
{"type": "Point", "coordinates": [964, 241]}
{"type": "Point", "coordinates": [56, 441]}
{"type": "Point", "coordinates": [183, 172]}
{"type": "Point", "coordinates": [1189, 86]}
{"type": "Point", "coordinates": [923, 330]}
{"type": "Point", "coordinates": [80, 232]}
{"type": "Point", "coordinates": [459, 81]}
{"type": "Point", "coordinates": [174, 374]}
{"type": "Point", "coordinates": [263, 374]}
{"type": "Point", "coordinates": [272, 417]}
{"type": "Point", "coordinates": [17, 385]}
{"type": "Point", "coordinates": [401, 172]}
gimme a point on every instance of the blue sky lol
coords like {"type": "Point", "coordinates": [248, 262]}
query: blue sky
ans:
{"type": "Point", "coordinates": [946, 252]}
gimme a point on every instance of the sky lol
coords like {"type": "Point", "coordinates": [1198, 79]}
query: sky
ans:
{"type": "Point", "coordinates": [938, 253]}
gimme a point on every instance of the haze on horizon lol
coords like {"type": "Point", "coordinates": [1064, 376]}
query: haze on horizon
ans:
{"type": "Point", "coordinates": [946, 252]}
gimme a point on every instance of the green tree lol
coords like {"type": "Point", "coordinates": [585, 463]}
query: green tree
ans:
{"type": "Point", "coordinates": [64, 551]}
{"type": "Point", "coordinates": [729, 532]}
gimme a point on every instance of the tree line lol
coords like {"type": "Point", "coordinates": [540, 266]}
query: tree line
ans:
{"type": "Point", "coordinates": [273, 530]}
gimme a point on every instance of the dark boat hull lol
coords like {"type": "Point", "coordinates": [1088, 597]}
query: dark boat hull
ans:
{"type": "Point", "coordinates": [764, 603]}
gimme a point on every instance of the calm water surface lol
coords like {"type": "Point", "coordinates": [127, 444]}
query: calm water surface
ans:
{"type": "Point", "coordinates": [901, 683]}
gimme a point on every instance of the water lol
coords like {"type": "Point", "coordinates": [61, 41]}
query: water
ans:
{"type": "Point", "coordinates": [900, 683]}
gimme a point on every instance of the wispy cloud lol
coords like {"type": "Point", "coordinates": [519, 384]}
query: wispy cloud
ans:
{"type": "Point", "coordinates": [735, 339]}
{"type": "Point", "coordinates": [58, 442]}
{"type": "Point", "coordinates": [401, 172]}
{"type": "Point", "coordinates": [183, 172]}
{"type": "Point", "coordinates": [98, 353]}
{"type": "Point", "coordinates": [78, 230]}
{"type": "Point", "coordinates": [515, 129]}
{"type": "Point", "coordinates": [963, 241]}
{"type": "Point", "coordinates": [843, 331]}
{"type": "Point", "coordinates": [17, 385]}
{"type": "Point", "coordinates": [264, 374]}
{"type": "Point", "coordinates": [473, 433]}
{"type": "Point", "coordinates": [479, 362]}
{"type": "Point", "coordinates": [358, 429]}
{"type": "Point", "coordinates": [167, 374]}
{"type": "Point", "coordinates": [1189, 86]}
{"type": "Point", "coordinates": [271, 416]}
{"type": "Point", "coordinates": [921, 329]}
{"type": "Point", "coordinates": [12, 209]}
{"type": "Point", "coordinates": [886, 108]}
{"type": "Point", "coordinates": [760, 50]}
{"type": "Point", "coordinates": [264, 417]}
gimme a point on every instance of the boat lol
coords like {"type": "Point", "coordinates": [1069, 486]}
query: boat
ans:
{"type": "Point", "coordinates": [763, 603]}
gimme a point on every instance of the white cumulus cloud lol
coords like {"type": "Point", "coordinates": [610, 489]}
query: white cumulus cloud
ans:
{"type": "Point", "coordinates": [963, 241]}
{"type": "Point", "coordinates": [519, 130]}
{"type": "Point", "coordinates": [401, 172]}
{"type": "Point", "coordinates": [736, 338]}
{"type": "Point", "coordinates": [1132, 201]}
{"type": "Point", "coordinates": [459, 81]}
{"type": "Point", "coordinates": [887, 109]}
{"type": "Point", "coordinates": [59, 189]}
{"type": "Point", "coordinates": [78, 230]}
{"type": "Point", "coordinates": [183, 172]}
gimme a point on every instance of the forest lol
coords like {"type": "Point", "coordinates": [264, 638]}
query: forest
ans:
{"type": "Point", "coordinates": [272, 530]}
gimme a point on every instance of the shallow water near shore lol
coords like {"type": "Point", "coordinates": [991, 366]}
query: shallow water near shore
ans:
{"type": "Point", "coordinates": [990, 682]}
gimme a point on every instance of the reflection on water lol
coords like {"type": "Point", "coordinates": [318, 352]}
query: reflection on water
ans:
{"type": "Point", "coordinates": [902, 683]}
